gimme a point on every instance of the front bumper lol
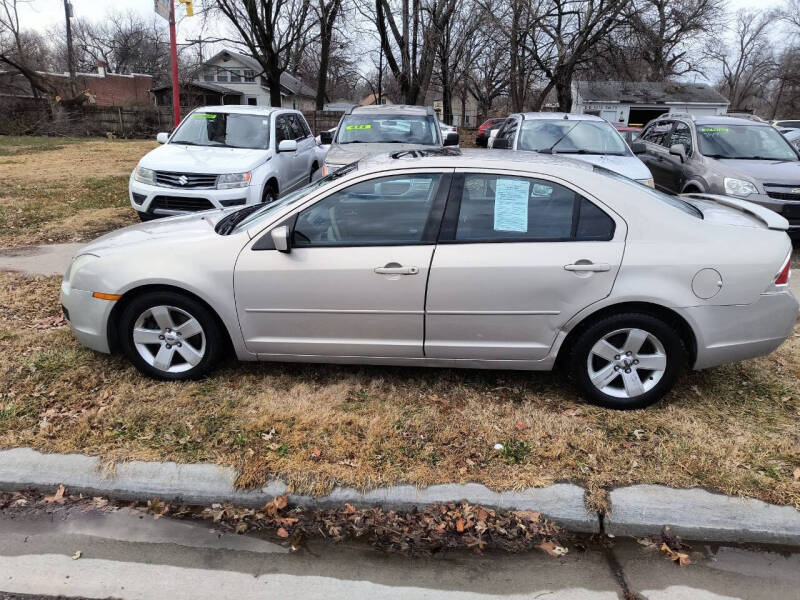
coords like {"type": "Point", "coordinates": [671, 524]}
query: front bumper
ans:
{"type": "Point", "coordinates": [727, 334]}
{"type": "Point", "coordinates": [87, 317]}
{"type": "Point", "coordinates": [164, 201]}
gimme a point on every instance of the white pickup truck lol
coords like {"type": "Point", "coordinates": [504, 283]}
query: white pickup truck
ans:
{"type": "Point", "coordinates": [225, 156]}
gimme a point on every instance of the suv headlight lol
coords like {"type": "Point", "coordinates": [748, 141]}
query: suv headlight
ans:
{"type": "Point", "coordinates": [233, 180]}
{"type": "Point", "coordinates": [739, 187]}
{"type": "Point", "coordinates": [143, 175]}
{"type": "Point", "coordinates": [76, 264]}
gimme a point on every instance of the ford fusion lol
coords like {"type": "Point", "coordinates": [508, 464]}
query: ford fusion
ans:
{"type": "Point", "coordinates": [480, 260]}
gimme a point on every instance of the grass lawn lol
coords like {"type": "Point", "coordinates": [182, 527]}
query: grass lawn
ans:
{"type": "Point", "coordinates": [734, 429]}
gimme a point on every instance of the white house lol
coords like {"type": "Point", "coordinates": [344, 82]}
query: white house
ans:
{"type": "Point", "coordinates": [241, 74]}
{"type": "Point", "coordinates": [637, 103]}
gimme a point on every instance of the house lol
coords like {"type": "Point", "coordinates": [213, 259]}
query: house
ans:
{"type": "Point", "coordinates": [637, 103]}
{"type": "Point", "coordinates": [198, 93]}
{"type": "Point", "coordinates": [101, 88]}
{"type": "Point", "coordinates": [371, 99]}
{"type": "Point", "coordinates": [232, 73]}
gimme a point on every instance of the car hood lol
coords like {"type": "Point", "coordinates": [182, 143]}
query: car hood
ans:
{"type": "Point", "coordinates": [203, 159]}
{"type": "Point", "coordinates": [629, 166]}
{"type": "Point", "coordinates": [769, 171]}
{"type": "Point", "coordinates": [344, 155]}
{"type": "Point", "coordinates": [169, 230]}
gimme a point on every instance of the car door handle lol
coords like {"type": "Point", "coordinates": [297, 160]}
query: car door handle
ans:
{"type": "Point", "coordinates": [587, 266]}
{"type": "Point", "coordinates": [395, 269]}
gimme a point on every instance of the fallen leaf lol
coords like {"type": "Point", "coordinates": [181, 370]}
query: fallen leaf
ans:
{"type": "Point", "coordinates": [349, 509]}
{"type": "Point", "coordinates": [77, 555]}
{"type": "Point", "coordinates": [241, 527]}
{"type": "Point", "coordinates": [797, 474]}
{"type": "Point", "coordinates": [521, 425]}
{"type": "Point", "coordinates": [58, 497]}
{"type": "Point", "coordinates": [552, 549]}
{"type": "Point", "coordinates": [280, 502]}
{"type": "Point", "coordinates": [316, 453]}
{"type": "Point", "coordinates": [282, 532]}
{"type": "Point", "coordinates": [679, 557]}
{"type": "Point", "coordinates": [460, 525]}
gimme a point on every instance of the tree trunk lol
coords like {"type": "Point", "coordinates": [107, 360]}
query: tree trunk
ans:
{"type": "Point", "coordinates": [563, 85]}
{"type": "Point", "coordinates": [322, 77]}
{"type": "Point", "coordinates": [447, 95]}
{"type": "Point", "coordinates": [273, 73]}
{"type": "Point", "coordinates": [514, 83]}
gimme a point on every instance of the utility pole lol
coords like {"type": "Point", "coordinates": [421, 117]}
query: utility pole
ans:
{"type": "Point", "coordinates": [70, 58]}
{"type": "Point", "coordinates": [173, 46]}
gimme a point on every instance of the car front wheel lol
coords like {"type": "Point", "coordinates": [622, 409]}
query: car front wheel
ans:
{"type": "Point", "coordinates": [169, 336]}
{"type": "Point", "coordinates": [627, 361]}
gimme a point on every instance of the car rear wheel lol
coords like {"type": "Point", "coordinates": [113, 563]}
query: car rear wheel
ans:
{"type": "Point", "coordinates": [627, 361]}
{"type": "Point", "coordinates": [169, 336]}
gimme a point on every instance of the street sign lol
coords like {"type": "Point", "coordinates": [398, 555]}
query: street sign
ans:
{"type": "Point", "coordinates": [162, 8]}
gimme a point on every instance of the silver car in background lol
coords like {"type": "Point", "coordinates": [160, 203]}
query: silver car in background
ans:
{"type": "Point", "coordinates": [491, 260]}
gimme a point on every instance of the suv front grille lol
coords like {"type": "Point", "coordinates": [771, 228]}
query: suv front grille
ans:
{"type": "Point", "coordinates": [781, 191]}
{"type": "Point", "coordinates": [186, 180]}
{"type": "Point", "coordinates": [791, 211]}
{"type": "Point", "coordinates": [180, 203]}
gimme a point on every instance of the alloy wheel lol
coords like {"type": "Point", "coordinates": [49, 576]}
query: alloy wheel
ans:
{"type": "Point", "coordinates": [626, 363]}
{"type": "Point", "coordinates": [169, 339]}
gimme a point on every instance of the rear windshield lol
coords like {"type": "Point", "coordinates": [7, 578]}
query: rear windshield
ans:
{"type": "Point", "coordinates": [563, 136]}
{"type": "Point", "coordinates": [673, 201]}
{"type": "Point", "coordinates": [388, 129]}
{"type": "Point", "coordinates": [754, 142]}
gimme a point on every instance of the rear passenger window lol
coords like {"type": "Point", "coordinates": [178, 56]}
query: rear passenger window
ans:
{"type": "Point", "coordinates": [379, 212]}
{"type": "Point", "coordinates": [502, 208]}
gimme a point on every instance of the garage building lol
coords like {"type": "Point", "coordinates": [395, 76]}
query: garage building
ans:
{"type": "Point", "coordinates": [638, 102]}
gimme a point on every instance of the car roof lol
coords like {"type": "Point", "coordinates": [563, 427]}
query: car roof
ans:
{"type": "Point", "coordinates": [388, 109]}
{"type": "Point", "coordinates": [243, 109]}
{"type": "Point", "coordinates": [559, 116]}
{"type": "Point", "coordinates": [714, 120]}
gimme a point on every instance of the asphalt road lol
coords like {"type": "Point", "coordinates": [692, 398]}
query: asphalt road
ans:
{"type": "Point", "coordinates": [127, 554]}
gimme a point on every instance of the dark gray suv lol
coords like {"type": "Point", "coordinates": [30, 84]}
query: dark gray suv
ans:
{"type": "Point", "coordinates": [724, 155]}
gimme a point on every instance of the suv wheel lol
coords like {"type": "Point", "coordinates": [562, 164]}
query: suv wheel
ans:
{"type": "Point", "coordinates": [270, 194]}
{"type": "Point", "coordinates": [314, 169]}
{"type": "Point", "coordinates": [169, 336]}
{"type": "Point", "coordinates": [627, 361]}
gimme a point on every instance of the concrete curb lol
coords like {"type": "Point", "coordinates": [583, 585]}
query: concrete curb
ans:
{"type": "Point", "coordinates": [23, 468]}
{"type": "Point", "coordinates": [696, 514]}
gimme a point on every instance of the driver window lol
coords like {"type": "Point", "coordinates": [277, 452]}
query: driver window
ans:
{"type": "Point", "coordinates": [381, 212]}
{"type": "Point", "coordinates": [282, 130]}
{"type": "Point", "coordinates": [682, 135]}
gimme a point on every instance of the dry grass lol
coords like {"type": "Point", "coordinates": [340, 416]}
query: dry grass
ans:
{"type": "Point", "coordinates": [57, 190]}
{"type": "Point", "coordinates": [732, 429]}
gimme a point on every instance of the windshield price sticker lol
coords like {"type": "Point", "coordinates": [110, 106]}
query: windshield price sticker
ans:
{"type": "Point", "coordinates": [356, 127]}
{"type": "Point", "coordinates": [203, 116]}
{"type": "Point", "coordinates": [713, 130]}
{"type": "Point", "coordinates": [511, 205]}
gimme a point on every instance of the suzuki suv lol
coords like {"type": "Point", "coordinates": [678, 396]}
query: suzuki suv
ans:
{"type": "Point", "coordinates": [369, 130]}
{"type": "Point", "coordinates": [225, 156]}
{"type": "Point", "coordinates": [725, 155]}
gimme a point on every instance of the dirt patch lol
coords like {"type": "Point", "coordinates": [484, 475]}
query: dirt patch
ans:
{"type": "Point", "coordinates": [732, 429]}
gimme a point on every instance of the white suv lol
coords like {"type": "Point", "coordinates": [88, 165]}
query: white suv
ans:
{"type": "Point", "coordinates": [225, 156]}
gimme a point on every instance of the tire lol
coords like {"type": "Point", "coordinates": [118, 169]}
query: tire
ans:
{"type": "Point", "coordinates": [159, 317]}
{"type": "Point", "coordinates": [144, 217]}
{"type": "Point", "coordinates": [314, 169]}
{"type": "Point", "coordinates": [622, 383]}
{"type": "Point", "coordinates": [270, 194]}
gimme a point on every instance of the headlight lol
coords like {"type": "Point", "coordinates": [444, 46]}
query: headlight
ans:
{"type": "Point", "coordinates": [143, 175]}
{"type": "Point", "coordinates": [329, 168]}
{"type": "Point", "coordinates": [233, 180]}
{"type": "Point", "coordinates": [739, 187]}
{"type": "Point", "coordinates": [76, 264]}
{"type": "Point", "coordinates": [647, 182]}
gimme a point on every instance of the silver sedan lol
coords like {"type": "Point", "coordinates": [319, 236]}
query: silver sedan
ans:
{"type": "Point", "coordinates": [477, 260]}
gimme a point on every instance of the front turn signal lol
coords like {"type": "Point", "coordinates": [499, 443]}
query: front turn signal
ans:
{"type": "Point", "coordinates": [102, 296]}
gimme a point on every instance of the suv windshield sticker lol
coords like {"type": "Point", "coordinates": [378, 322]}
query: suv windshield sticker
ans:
{"type": "Point", "coordinates": [204, 116]}
{"type": "Point", "coordinates": [713, 130]}
{"type": "Point", "coordinates": [365, 126]}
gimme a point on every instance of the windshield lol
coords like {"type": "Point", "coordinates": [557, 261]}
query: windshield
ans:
{"type": "Point", "coordinates": [262, 214]}
{"type": "Point", "coordinates": [388, 129]}
{"type": "Point", "coordinates": [571, 137]}
{"type": "Point", "coordinates": [674, 201]}
{"type": "Point", "coordinates": [755, 142]}
{"type": "Point", "coordinates": [228, 130]}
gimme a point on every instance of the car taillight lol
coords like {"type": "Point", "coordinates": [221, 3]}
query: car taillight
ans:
{"type": "Point", "coordinates": [782, 278]}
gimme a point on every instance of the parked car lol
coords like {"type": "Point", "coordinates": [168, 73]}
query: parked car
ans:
{"type": "Point", "coordinates": [369, 130]}
{"type": "Point", "coordinates": [324, 138]}
{"type": "Point", "coordinates": [786, 124]}
{"type": "Point", "coordinates": [725, 155]}
{"type": "Point", "coordinates": [479, 260]}
{"type": "Point", "coordinates": [793, 135]}
{"type": "Point", "coordinates": [628, 133]}
{"type": "Point", "coordinates": [447, 129]}
{"type": "Point", "coordinates": [584, 137]}
{"type": "Point", "coordinates": [485, 129]}
{"type": "Point", "coordinates": [224, 156]}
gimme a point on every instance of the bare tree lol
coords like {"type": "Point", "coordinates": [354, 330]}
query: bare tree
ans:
{"type": "Point", "coordinates": [327, 13]}
{"type": "Point", "coordinates": [747, 63]}
{"type": "Point", "coordinates": [409, 38]}
{"type": "Point", "coordinates": [269, 30]}
{"type": "Point", "coordinates": [456, 53]}
{"type": "Point", "coordinates": [24, 52]}
{"type": "Point", "coordinates": [488, 78]}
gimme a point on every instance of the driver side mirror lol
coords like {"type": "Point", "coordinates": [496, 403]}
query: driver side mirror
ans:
{"type": "Point", "coordinates": [639, 148]}
{"type": "Point", "coordinates": [162, 138]}
{"type": "Point", "coordinates": [287, 146]}
{"type": "Point", "coordinates": [280, 237]}
{"type": "Point", "coordinates": [678, 150]}
{"type": "Point", "coordinates": [326, 137]}
{"type": "Point", "coordinates": [451, 139]}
